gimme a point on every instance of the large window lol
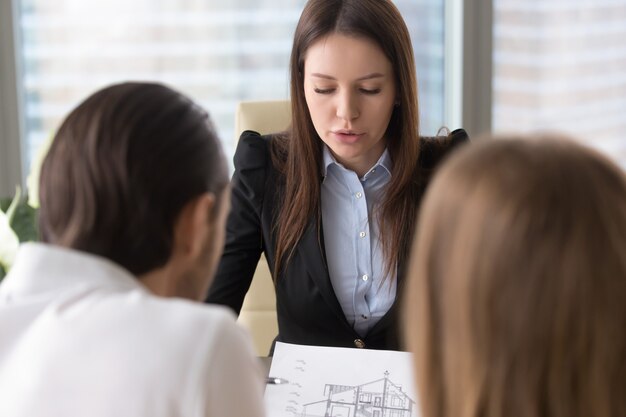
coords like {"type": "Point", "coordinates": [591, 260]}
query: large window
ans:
{"type": "Point", "coordinates": [217, 52]}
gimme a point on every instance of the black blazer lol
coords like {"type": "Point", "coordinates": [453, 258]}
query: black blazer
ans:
{"type": "Point", "coordinates": [308, 310]}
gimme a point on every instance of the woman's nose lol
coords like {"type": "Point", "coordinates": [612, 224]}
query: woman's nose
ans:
{"type": "Point", "coordinates": [347, 107]}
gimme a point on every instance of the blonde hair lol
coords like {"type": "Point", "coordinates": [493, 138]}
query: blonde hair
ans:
{"type": "Point", "coordinates": [516, 301]}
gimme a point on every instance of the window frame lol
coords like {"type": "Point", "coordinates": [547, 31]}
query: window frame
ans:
{"type": "Point", "coordinates": [12, 127]}
{"type": "Point", "coordinates": [477, 66]}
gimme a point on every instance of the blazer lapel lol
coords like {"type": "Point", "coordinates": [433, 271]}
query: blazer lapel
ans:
{"type": "Point", "coordinates": [311, 248]}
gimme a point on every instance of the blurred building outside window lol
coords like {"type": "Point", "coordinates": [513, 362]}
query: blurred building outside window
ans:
{"type": "Point", "coordinates": [560, 65]}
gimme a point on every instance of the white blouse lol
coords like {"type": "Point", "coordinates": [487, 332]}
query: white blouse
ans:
{"type": "Point", "coordinates": [80, 336]}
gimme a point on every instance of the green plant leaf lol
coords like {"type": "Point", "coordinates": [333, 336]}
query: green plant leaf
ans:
{"type": "Point", "coordinates": [24, 222]}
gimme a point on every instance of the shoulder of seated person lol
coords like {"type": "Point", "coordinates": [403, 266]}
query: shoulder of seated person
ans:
{"type": "Point", "coordinates": [251, 150]}
{"type": "Point", "coordinates": [193, 312]}
{"type": "Point", "coordinates": [254, 149]}
{"type": "Point", "coordinates": [434, 148]}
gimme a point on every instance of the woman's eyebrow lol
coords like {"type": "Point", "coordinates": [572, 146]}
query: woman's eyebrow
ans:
{"type": "Point", "coordinates": [370, 76]}
{"type": "Point", "coordinates": [365, 77]}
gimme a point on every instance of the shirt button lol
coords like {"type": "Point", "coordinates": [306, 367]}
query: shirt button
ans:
{"type": "Point", "coordinates": [362, 235]}
{"type": "Point", "coordinates": [363, 316]}
{"type": "Point", "coordinates": [359, 194]}
{"type": "Point", "coordinates": [365, 277]}
{"type": "Point", "coordinates": [359, 343]}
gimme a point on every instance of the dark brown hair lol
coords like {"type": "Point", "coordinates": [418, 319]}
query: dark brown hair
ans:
{"type": "Point", "coordinates": [517, 284]}
{"type": "Point", "coordinates": [298, 154]}
{"type": "Point", "coordinates": [121, 167]}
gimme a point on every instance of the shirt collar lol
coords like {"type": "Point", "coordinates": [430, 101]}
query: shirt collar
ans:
{"type": "Point", "coordinates": [42, 268]}
{"type": "Point", "coordinates": [328, 159]}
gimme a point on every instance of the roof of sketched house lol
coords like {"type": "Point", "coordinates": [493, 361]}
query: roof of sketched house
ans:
{"type": "Point", "coordinates": [347, 394]}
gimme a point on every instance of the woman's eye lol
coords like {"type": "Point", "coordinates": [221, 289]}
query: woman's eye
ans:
{"type": "Point", "coordinates": [370, 92]}
{"type": "Point", "coordinates": [323, 90]}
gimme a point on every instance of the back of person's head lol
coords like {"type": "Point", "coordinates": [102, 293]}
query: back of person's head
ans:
{"type": "Point", "coordinates": [120, 169]}
{"type": "Point", "coordinates": [516, 301]}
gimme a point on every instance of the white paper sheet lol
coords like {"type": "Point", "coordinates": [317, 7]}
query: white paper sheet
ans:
{"type": "Point", "coordinates": [340, 382]}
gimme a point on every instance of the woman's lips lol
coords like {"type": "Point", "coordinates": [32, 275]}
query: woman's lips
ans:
{"type": "Point", "coordinates": [347, 136]}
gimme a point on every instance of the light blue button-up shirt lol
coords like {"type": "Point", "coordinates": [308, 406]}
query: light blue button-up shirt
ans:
{"type": "Point", "coordinates": [352, 240]}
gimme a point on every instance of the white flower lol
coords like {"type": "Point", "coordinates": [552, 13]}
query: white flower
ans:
{"type": "Point", "coordinates": [32, 181]}
{"type": "Point", "coordinates": [8, 242]}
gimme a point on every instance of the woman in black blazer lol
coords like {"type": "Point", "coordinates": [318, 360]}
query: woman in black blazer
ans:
{"type": "Point", "coordinates": [351, 156]}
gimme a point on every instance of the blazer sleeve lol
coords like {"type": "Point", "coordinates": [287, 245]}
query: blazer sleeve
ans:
{"type": "Point", "coordinates": [244, 237]}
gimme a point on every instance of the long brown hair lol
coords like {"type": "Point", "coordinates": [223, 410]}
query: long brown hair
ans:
{"type": "Point", "coordinates": [121, 167]}
{"type": "Point", "coordinates": [298, 154]}
{"type": "Point", "coordinates": [516, 301]}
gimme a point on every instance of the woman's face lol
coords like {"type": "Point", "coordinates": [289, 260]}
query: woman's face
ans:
{"type": "Point", "coordinates": [350, 91]}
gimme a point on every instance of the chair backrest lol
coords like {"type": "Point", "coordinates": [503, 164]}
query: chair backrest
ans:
{"type": "Point", "coordinates": [258, 313]}
{"type": "Point", "coordinates": [262, 116]}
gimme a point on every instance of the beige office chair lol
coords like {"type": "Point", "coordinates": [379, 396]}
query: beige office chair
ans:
{"type": "Point", "coordinates": [258, 313]}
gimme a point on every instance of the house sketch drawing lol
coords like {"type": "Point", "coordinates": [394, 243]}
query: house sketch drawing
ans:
{"type": "Point", "coordinates": [379, 398]}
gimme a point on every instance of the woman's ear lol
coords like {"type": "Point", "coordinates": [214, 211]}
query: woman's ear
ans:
{"type": "Point", "coordinates": [193, 226]}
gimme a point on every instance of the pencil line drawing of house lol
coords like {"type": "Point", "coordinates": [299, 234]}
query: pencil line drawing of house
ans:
{"type": "Point", "coordinates": [379, 398]}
